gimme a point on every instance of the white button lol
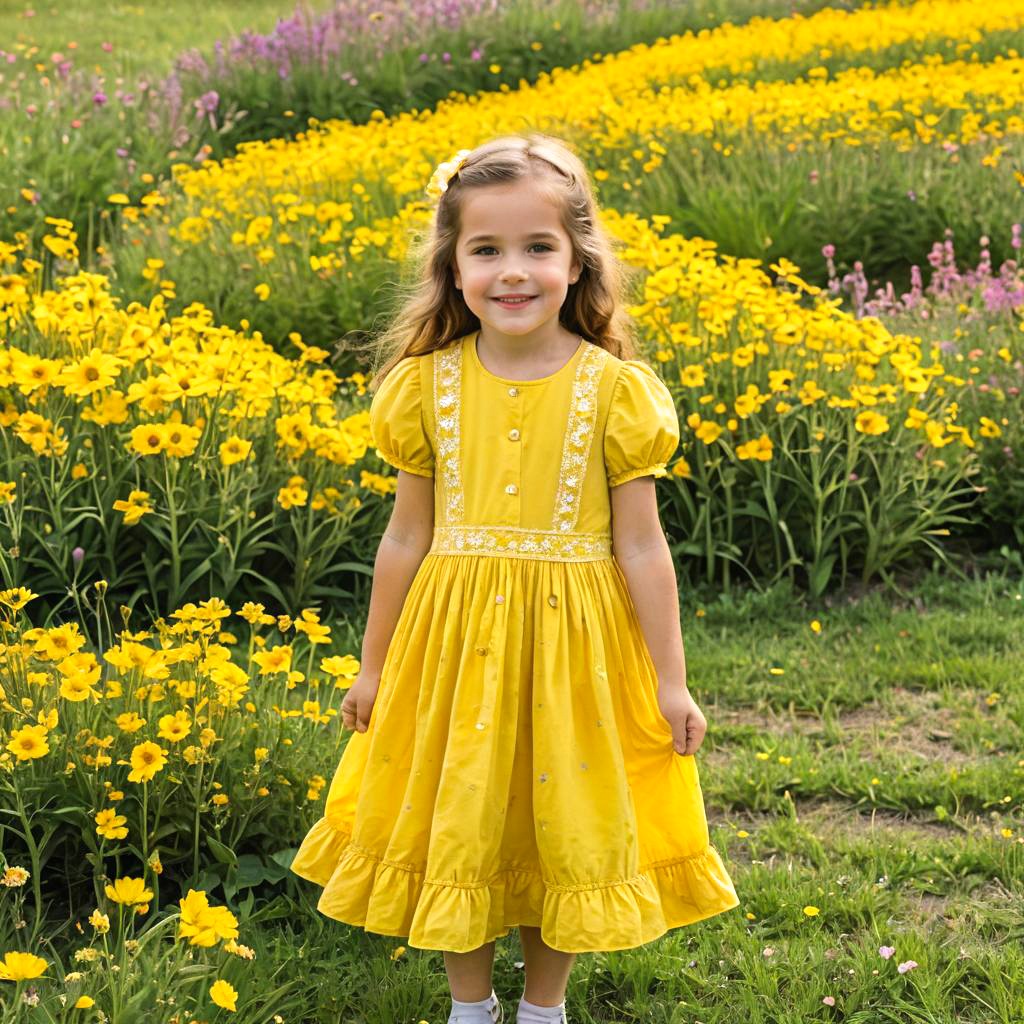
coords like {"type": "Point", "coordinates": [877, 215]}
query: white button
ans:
{"type": "Point", "coordinates": [511, 489]}
{"type": "Point", "coordinates": [513, 434]}
{"type": "Point", "coordinates": [513, 392]}
{"type": "Point", "coordinates": [500, 599]}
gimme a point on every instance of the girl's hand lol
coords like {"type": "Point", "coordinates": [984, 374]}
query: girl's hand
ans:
{"type": "Point", "coordinates": [358, 702]}
{"type": "Point", "coordinates": [681, 712]}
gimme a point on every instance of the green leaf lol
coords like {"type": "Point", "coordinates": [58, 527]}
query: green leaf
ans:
{"type": "Point", "coordinates": [223, 853]}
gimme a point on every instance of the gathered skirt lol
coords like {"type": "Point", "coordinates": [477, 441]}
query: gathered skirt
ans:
{"type": "Point", "coordinates": [516, 770]}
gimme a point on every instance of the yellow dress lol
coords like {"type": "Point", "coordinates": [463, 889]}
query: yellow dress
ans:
{"type": "Point", "coordinates": [516, 768]}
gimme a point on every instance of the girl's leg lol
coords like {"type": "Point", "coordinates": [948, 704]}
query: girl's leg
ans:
{"type": "Point", "coordinates": [547, 970]}
{"type": "Point", "coordinates": [469, 974]}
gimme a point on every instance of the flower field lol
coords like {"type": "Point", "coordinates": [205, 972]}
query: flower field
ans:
{"type": "Point", "coordinates": [190, 498]}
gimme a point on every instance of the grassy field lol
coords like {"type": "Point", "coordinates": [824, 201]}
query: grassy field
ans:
{"type": "Point", "coordinates": [145, 38]}
{"type": "Point", "coordinates": [871, 770]}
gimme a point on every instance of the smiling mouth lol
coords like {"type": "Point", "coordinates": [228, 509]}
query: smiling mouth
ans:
{"type": "Point", "coordinates": [515, 302]}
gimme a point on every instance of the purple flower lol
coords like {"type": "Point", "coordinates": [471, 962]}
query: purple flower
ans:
{"type": "Point", "coordinates": [77, 555]}
{"type": "Point", "coordinates": [475, 55]}
{"type": "Point", "coordinates": [99, 98]}
{"type": "Point", "coordinates": [207, 103]}
{"type": "Point", "coordinates": [907, 965]}
{"type": "Point", "coordinates": [424, 58]}
{"type": "Point", "coordinates": [886, 951]}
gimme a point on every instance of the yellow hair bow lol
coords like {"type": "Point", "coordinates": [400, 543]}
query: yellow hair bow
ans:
{"type": "Point", "coordinates": [443, 174]}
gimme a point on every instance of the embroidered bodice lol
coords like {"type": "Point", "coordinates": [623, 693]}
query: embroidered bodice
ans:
{"type": "Point", "coordinates": [523, 468]}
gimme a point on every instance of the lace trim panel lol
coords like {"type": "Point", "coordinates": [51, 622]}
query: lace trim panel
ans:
{"type": "Point", "coordinates": [447, 414]}
{"type": "Point", "coordinates": [547, 545]}
{"type": "Point", "coordinates": [579, 435]}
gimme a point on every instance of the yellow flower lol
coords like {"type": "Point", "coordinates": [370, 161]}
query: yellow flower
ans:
{"type": "Point", "coordinates": [32, 372]}
{"type": "Point", "coordinates": [758, 448]}
{"type": "Point", "coordinates": [128, 891]}
{"type": "Point", "coordinates": [811, 911]}
{"type": "Point", "coordinates": [84, 1002]}
{"type": "Point", "coordinates": [29, 742]}
{"type": "Point", "coordinates": [709, 431]}
{"type": "Point", "coordinates": [22, 967]}
{"type": "Point", "coordinates": [181, 438]}
{"type": "Point", "coordinates": [223, 995]}
{"type": "Point", "coordinates": [110, 824]}
{"type": "Point", "coordinates": [988, 428]}
{"type": "Point", "coordinates": [202, 924]}
{"type": "Point", "coordinates": [693, 375]}
{"type": "Point", "coordinates": [148, 439]}
{"type": "Point", "coordinates": [134, 508]}
{"type": "Point", "coordinates": [147, 759]}
{"type": "Point", "coordinates": [16, 598]}
{"type": "Point", "coordinates": [816, 625]}
{"type": "Point", "coordinates": [118, 197]}
{"type": "Point", "coordinates": [871, 422]}
{"type": "Point", "coordinates": [91, 373]}
{"type": "Point", "coordinates": [340, 665]}
{"type": "Point", "coordinates": [277, 659]}
{"type": "Point", "coordinates": [290, 497]}
{"type": "Point", "coordinates": [262, 291]}
{"type": "Point", "coordinates": [233, 450]}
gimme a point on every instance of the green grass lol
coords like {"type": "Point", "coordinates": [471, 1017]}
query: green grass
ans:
{"type": "Point", "coordinates": [146, 37]}
{"type": "Point", "coordinates": [887, 819]}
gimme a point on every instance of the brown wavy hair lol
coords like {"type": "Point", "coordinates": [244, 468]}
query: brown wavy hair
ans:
{"type": "Point", "coordinates": [430, 311]}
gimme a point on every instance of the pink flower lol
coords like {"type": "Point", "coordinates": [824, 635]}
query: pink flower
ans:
{"type": "Point", "coordinates": [907, 965]}
{"type": "Point", "coordinates": [886, 951]}
{"type": "Point", "coordinates": [829, 1000]}
{"type": "Point", "coordinates": [828, 251]}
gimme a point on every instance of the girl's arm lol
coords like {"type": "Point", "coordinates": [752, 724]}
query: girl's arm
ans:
{"type": "Point", "coordinates": [641, 551]}
{"type": "Point", "coordinates": [403, 547]}
{"type": "Point", "coordinates": [640, 548]}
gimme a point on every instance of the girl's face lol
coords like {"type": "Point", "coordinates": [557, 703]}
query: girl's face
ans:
{"type": "Point", "coordinates": [511, 243]}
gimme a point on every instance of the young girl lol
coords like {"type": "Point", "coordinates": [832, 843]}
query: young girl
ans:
{"type": "Point", "coordinates": [524, 739]}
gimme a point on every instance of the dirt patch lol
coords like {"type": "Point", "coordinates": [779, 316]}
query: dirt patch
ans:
{"type": "Point", "coordinates": [830, 819]}
{"type": "Point", "coordinates": [906, 722]}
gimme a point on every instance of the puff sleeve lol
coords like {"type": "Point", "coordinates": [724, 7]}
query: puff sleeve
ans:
{"type": "Point", "coordinates": [396, 420]}
{"type": "Point", "coordinates": [642, 432]}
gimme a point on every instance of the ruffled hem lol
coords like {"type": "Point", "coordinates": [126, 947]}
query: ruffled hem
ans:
{"type": "Point", "coordinates": [388, 898]}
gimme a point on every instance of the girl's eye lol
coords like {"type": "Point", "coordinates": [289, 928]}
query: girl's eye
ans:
{"type": "Point", "coordinates": [477, 252]}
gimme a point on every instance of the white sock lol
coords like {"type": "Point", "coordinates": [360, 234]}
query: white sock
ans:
{"type": "Point", "coordinates": [529, 1013]}
{"type": "Point", "coordinates": [483, 1012]}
